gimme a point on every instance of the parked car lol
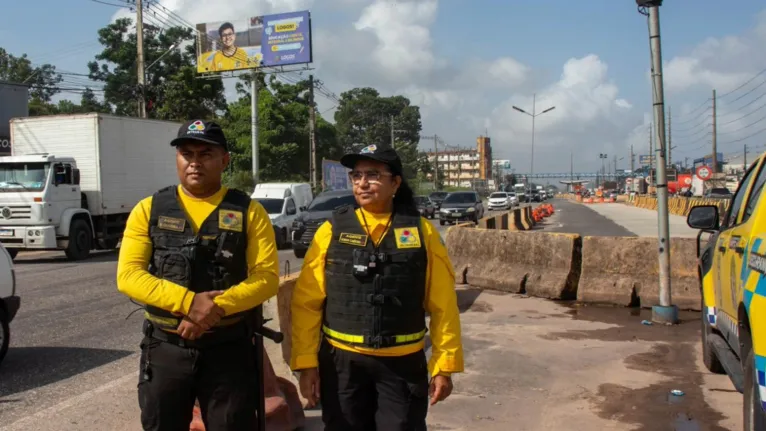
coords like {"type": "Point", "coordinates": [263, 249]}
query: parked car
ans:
{"type": "Point", "coordinates": [499, 201]}
{"type": "Point", "coordinates": [319, 211]}
{"type": "Point", "coordinates": [459, 206]}
{"type": "Point", "coordinates": [425, 206]}
{"type": "Point", "coordinates": [732, 272]}
{"type": "Point", "coordinates": [437, 198]}
{"type": "Point", "coordinates": [9, 299]}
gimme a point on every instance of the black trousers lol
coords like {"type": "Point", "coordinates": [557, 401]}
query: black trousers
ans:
{"type": "Point", "coordinates": [222, 377]}
{"type": "Point", "coordinates": [362, 392]}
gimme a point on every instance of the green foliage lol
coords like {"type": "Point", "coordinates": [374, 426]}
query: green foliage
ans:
{"type": "Point", "coordinates": [43, 80]}
{"type": "Point", "coordinates": [172, 90]}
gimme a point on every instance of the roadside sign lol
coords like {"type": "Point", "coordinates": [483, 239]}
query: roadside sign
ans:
{"type": "Point", "coordinates": [704, 173]}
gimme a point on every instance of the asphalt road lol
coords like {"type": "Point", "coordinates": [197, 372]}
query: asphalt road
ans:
{"type": "Point", "coordinates": [571, 217]}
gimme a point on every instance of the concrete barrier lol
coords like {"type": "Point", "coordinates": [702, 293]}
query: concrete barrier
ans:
{"type": "Point", "coordinates": [515, 219]}
{"type": "Point", "coordinates": [624, 271]}
{"type": "Point", "coordinates": [540, 264]}
{"type": "Point", "coordinates": [678, 205]}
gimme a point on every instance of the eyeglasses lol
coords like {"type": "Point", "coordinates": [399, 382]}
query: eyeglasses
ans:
{"type": "Point", "coordinates": [357, 176]}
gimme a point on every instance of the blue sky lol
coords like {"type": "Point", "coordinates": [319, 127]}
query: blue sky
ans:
{"type": "Point", "coordinates": [463, 40]}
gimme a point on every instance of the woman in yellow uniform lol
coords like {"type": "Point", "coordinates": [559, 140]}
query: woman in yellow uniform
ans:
{"type": "Point", "coordinates": [359, 307]}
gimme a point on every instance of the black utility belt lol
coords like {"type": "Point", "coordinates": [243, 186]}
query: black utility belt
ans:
{"type": "Point", "coordinates": [219, 335]}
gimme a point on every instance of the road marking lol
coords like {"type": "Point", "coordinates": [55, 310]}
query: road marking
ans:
{"type": "Point", "coordinates": [50, 412]}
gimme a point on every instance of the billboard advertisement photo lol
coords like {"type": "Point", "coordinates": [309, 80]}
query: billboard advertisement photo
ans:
{"type": "Point", "coordinates": [334, 176]}
{"type": "Point", "coordinates": [260, 41]}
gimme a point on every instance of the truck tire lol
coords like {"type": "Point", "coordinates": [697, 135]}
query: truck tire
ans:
{"type": "Point", "coordinates": [709, 357]}
{"type": "Point", "coordinates": [300, 254]}
{"type": "Point", "coordinates": [5, 334]}
{"type": "Point", "coordinates": [80, 240]}
{"type": "Point", "coordinates": [753, 414]}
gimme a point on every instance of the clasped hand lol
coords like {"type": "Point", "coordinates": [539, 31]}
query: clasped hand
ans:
{"type": "Point", "coordinates": [204, 313]}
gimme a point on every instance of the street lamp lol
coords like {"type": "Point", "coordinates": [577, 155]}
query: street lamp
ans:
{"type": "Point", "coordinates": [533, 115]}
{"type": "Point", "coordinates": [603, 157]}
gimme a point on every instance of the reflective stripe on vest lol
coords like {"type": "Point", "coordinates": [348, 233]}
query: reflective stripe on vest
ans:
{"type": "Point", "coordinates": [365, 340]}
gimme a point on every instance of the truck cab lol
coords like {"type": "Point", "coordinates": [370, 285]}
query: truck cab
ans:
{"type": "Point", "coordinates": [283, 202]}
{"type": "Point", "coordinates": [39, 199]}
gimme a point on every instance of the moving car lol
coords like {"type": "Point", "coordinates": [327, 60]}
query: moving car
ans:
{"type": "Point", "coordinates": [319, 210]}
{"type": "Point", "coordinates": [9, 299]}
{"type": "Point", "coordinates": [425, 206]}
{"type": "Point", "coordinates": [437, 198]}
{"type": "Point", "coordinates": [459, 206]}
{"type": "Point", "coordinates": [732, 275]}
{"type": "Point", "coordinates": [500, 201]}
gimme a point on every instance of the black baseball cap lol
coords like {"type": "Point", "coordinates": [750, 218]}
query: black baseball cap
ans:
{"type": "Point", "coordinates": [378, 153]}
{"type": "Point", "coordinates": [208, 132]}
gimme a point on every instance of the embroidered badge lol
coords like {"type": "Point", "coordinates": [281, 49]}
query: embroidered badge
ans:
{"type": "Point", "coordinates": [170, 223]}
{"type": "Point", "coordinates": [230, 220]}
{"type": "Point", "coordinates": [407, 237]}
{"type": "Point", "coordinates": [353, 239]}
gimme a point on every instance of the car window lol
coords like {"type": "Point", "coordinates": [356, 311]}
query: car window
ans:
{"type": "Point", "coordinates": [736, 203]}
{"type": "Point", "coordinates": [460, 198]}
{"type": "Point", "coordinates": [498, 195]}
{"type": "Point", "coordinates": [752, 201]}
{"type": "Point", "coordinates": [290, 205]}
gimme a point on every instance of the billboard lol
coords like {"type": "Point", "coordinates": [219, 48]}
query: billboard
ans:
{"type": "Point", "coordinates": [260, 41]}
{"type": "Point", "coordinates": [503, 164]}
{"type": "Point", "coordinates": [334, 176]}
{"type": "Point", "coordinates": [645, 160]}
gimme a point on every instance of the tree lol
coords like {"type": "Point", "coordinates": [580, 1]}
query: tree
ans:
{"type": "Point", "coordinates": [365, 118]}
{"type": "Point", "coordinates": [172, 91]}
{"type": "Point", "coordinates": [43, 80]}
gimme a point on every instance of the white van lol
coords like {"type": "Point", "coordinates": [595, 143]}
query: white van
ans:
{"type": "Point", "coordinates": [284, 202]}
{"type": "Point", "coordinates": [9, 300]}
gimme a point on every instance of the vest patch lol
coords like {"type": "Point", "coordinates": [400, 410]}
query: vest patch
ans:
{"type": "Point", "coordinates": [230, 220]}
{"type": "Point", "coordinates": [170, 223]}
{"type": "Point", "coordinates": [407, 237]}
{"type": "Point", "coordinates": [353, 239]}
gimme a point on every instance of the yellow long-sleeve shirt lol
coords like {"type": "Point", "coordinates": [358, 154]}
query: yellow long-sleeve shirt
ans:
{"type": "Point", "coordinates": [441, 302]}
{"type": "Point", "coordinates": [135, 281]}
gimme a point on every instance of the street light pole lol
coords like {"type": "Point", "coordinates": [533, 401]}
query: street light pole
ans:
{"type": "Point", "coordinates": [534, 115]}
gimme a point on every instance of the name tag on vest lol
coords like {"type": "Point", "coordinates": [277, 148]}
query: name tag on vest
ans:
{"type": "Point", "coordinates": [230, 220]}
{"type": "Point", "coordinates": [407, 237]}
{"type": "Point", "coordinates": [170, 223]}
{"type": "Point", "coordinates": [353, 239]}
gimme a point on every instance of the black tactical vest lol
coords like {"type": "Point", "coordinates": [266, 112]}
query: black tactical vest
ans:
{"type": "Point", "coordinates": [381, 306]}
{"type": "Point", "coordinates": [212, 259]}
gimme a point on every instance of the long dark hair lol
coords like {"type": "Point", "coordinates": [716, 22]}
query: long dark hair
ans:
{"type": "Point", "coordinates": [404, 199]}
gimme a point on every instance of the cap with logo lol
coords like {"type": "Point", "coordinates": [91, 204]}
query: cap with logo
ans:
{"type": "Point", "coordinates": [378, 153]}
{"type": "Point", "coordinates": [208, 132]}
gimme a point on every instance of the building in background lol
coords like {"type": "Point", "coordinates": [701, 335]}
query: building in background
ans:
{"type": "Point", "coordinates": [14, 102]}
{"type": "Point", "coordinates": [466, 167]}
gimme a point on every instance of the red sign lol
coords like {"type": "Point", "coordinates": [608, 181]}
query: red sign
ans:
{"type": "Point", "coordinates": [704, 173]}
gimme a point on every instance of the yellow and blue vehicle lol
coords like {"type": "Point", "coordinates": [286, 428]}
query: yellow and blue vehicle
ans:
{"type": "Point", "coordinates": [732, 272]}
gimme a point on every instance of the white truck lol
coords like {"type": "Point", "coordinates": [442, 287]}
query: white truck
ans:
{"type": "Point", "coordinates": [72, 180]}
{"type": "Point", "coordinates": [283, 202]}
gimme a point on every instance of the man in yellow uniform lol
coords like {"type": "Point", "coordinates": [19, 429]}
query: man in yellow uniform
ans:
{"type": "Point", "coordinates": [360, 302]}
{"type": "Point", "coordinates": [230, 56]}
{"type": "Point", "coordinates": [200, 257]}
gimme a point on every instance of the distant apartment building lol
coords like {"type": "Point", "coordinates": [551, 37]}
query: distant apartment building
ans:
{"type": "Point", "coordinates": [465, 167]}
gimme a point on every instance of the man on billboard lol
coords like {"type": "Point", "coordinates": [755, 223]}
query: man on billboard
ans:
{"type": "Point", "coordinates": [230, 56]}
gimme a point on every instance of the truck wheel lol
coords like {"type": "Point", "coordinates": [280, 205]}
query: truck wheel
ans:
{"type": "Point", "coordinates": [5, 334]}
{"type": "Point", "coordinates": [709, 357]}
{"type": "Point", "coordinates": [754, 416]}
{"type": "Point", "coordinates": [80, 240]}
{"type": "Point", "coordinates": [300, 254]}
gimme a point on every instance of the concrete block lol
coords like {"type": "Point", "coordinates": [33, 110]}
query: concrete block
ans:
{"type": "Point", "coordinates": [625, 271]}
{"type": "Point", "coordinates": [284, 298]}
{"type": "Point", "coordinates": [540, 264]}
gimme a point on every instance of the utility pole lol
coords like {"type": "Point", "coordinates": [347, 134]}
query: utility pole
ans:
{"type": "Point", "coordinates": [665, 312]}
{"type": "Point", "coordinates": [393, 132]}
{"type": "Point", "coordinates": [436, 159]}
{"type": "Point", "coordinates": [140, 73]}
{"type": "Point", "coordinates": [312, 134]}
{"type": "Point", "coordinates": [632, 159]}
{"type": "Point", "coordinates": [254, 123]}
{"type": "Point", "coordinates": [571, 170]}
{"type": "Point", "coordinates": [670, 138]}
{"type": "Point", "coordinates": [651, 154]}
{"type": "Point", "coordinates": [715, 140]}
